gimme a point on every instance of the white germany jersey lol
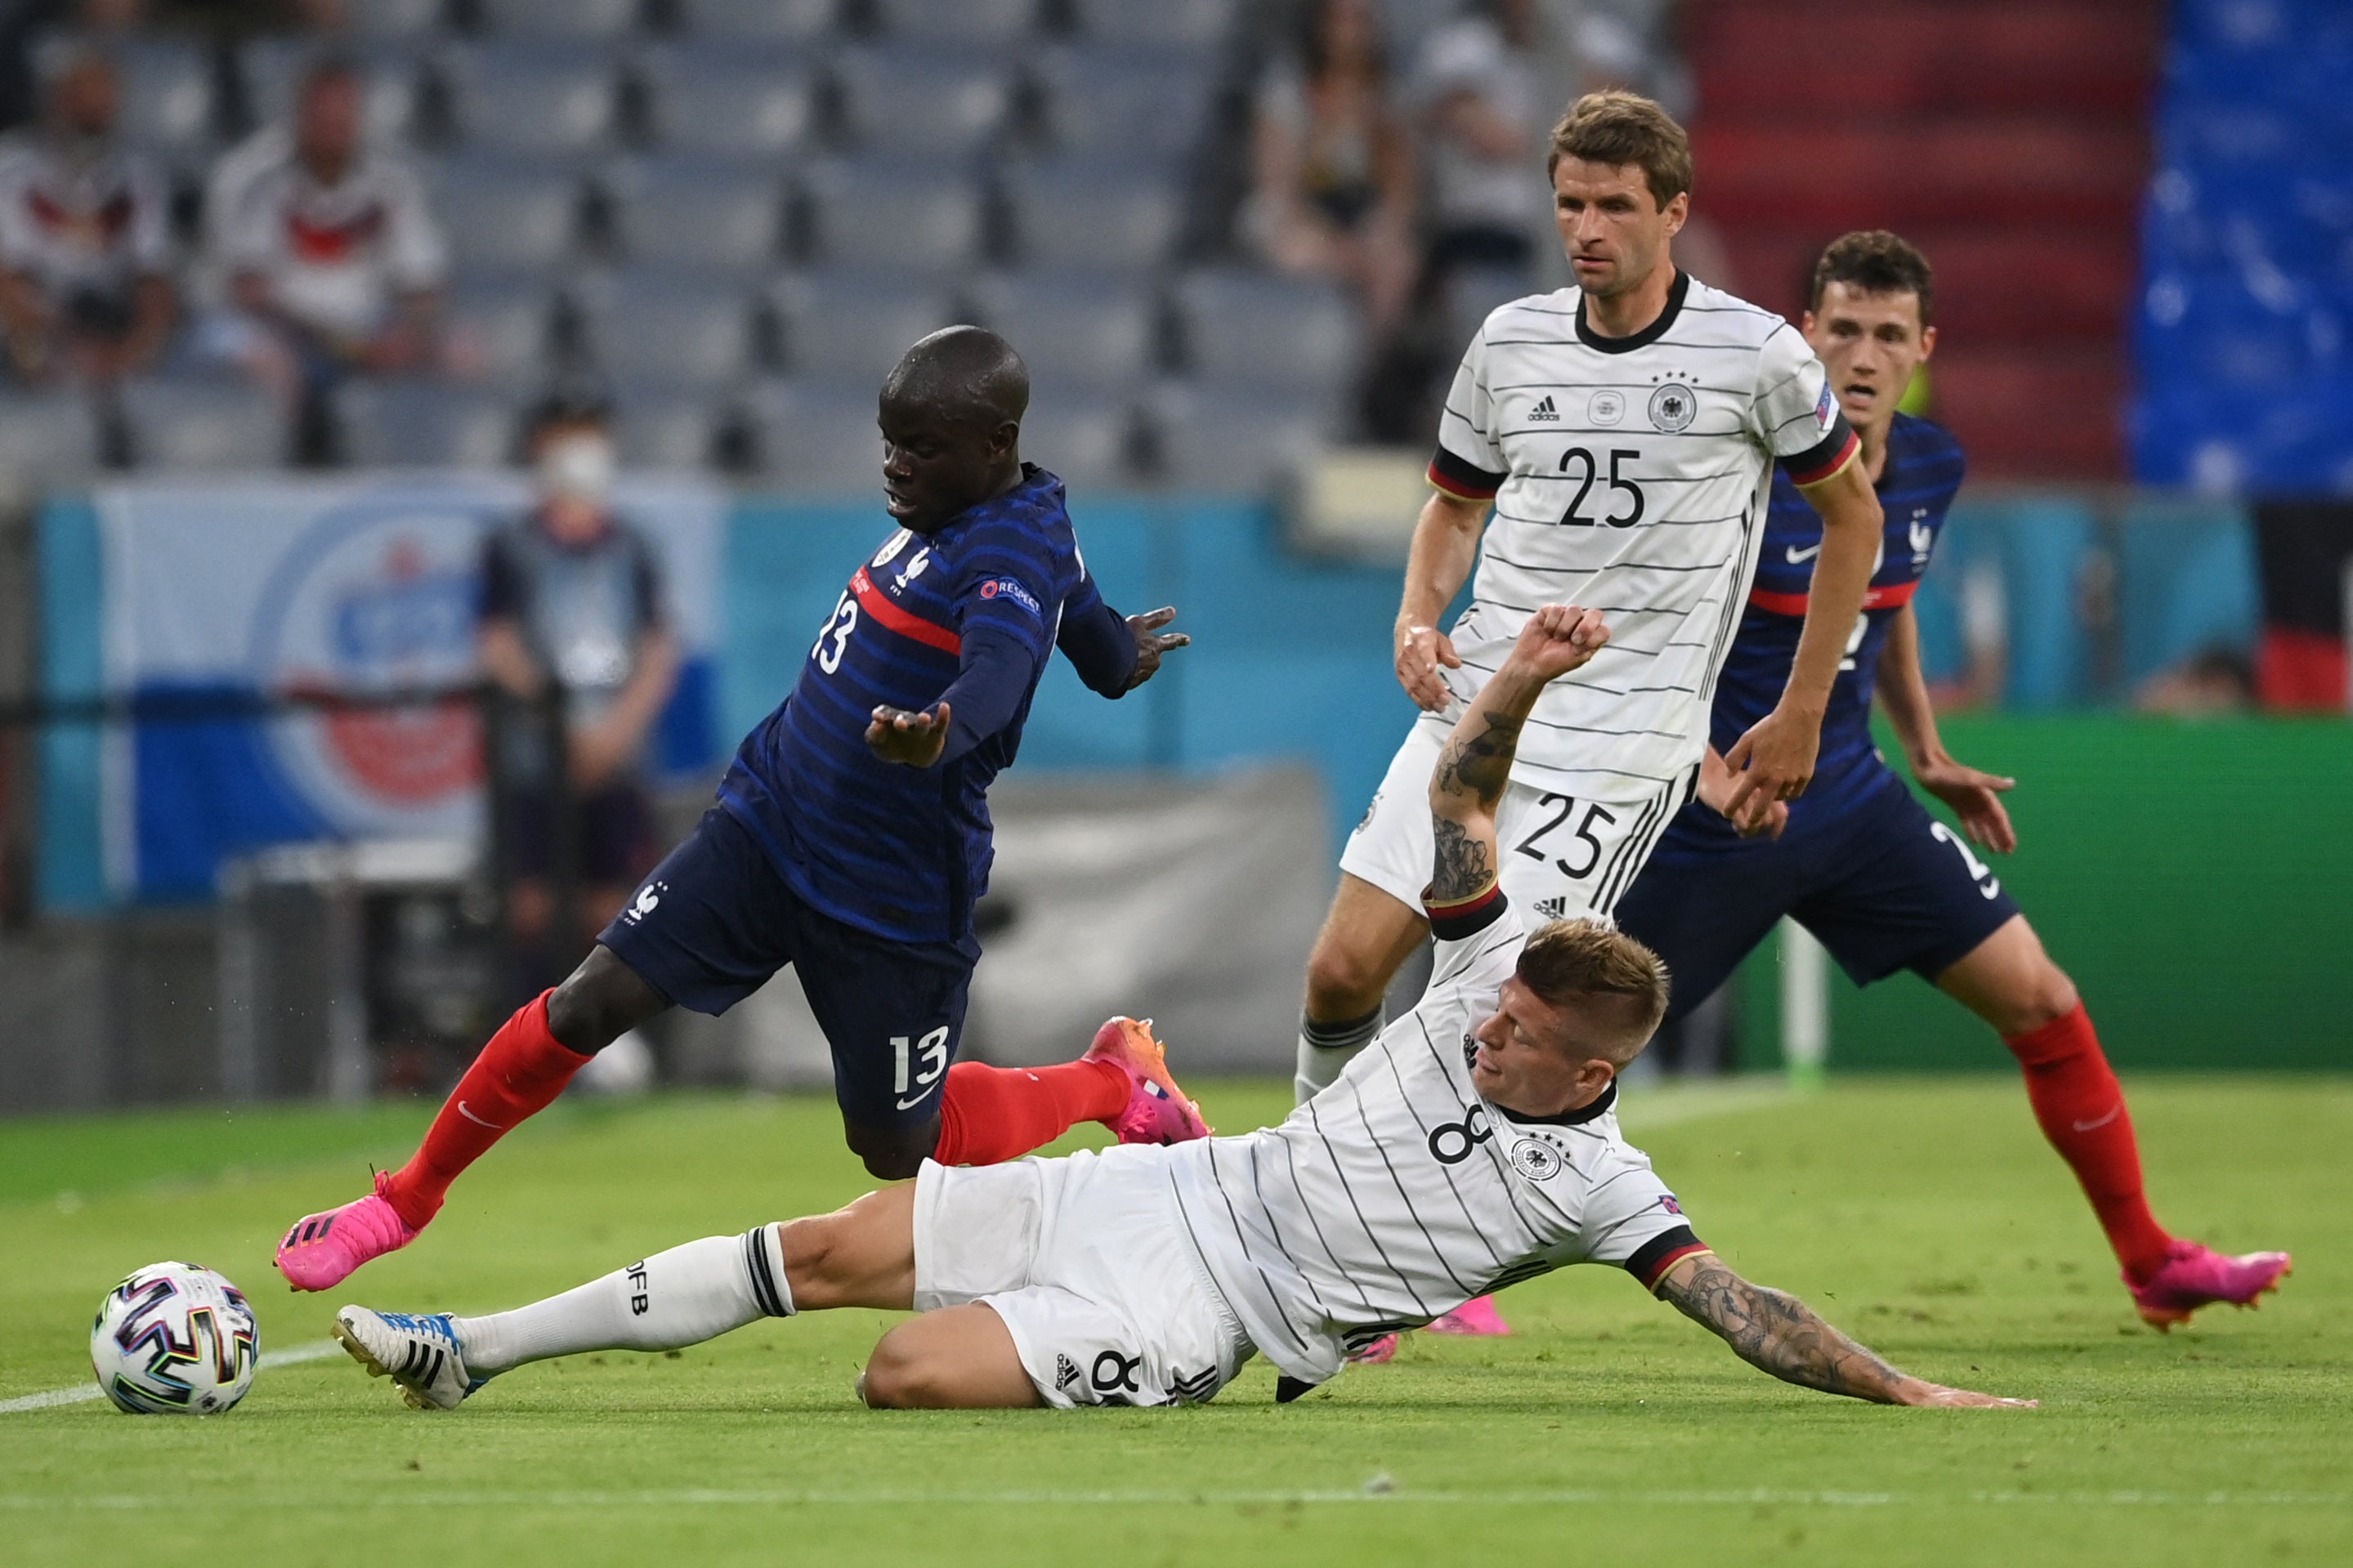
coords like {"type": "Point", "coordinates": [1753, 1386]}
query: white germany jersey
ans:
{"type": "Point", "coordinates": [1629, 476]}
{"type": "Point", "coordinates": [1400, 1193]}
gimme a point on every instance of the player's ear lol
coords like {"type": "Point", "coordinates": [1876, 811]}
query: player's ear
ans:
{"type": "Point", "coordinates": [1928, 343]}
{"type": "Point", "coordinates": [1678, 211]}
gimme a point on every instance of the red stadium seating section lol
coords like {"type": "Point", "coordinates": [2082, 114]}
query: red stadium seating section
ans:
{"type": "Point", "coordinates": [2008, 141]}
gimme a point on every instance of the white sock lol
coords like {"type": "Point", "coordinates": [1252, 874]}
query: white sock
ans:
{"type": "Point", "coordinates": [673, 1298]}
{"type": "Point", "coordinates": [1325, 1048]}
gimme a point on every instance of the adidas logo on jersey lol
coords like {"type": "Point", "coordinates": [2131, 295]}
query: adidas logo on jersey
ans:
{"type": "Point", "coordinates": [1066, 1371]}
{"type": "Point", "coordinates": [1552, 909]}
{"type": "Point", "coordinates": [1545, 410]}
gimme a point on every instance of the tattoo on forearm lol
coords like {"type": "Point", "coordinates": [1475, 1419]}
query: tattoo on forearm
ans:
{"type": "Point", "coordinates": [1462, 867]}
{"type": "Point", "coordinates": [1777, 1333]}
{"type": "Point", "coordinates": [1481, 766]}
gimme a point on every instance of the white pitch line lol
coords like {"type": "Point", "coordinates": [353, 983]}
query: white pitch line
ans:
{"type": "Point", "coordinates": [317, 1350]}
{"type": "Point", "coordinates": [790, 1498]}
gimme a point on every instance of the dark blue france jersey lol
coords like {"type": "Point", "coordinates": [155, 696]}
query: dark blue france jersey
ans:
{"type": "Point", "coordinates": [1915, 491]}
{"type": "Point", "coordinates": [898, 851]}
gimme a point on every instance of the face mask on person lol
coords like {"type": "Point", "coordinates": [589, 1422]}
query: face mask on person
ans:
{"type": "Point", "coordinates": [577, 468]}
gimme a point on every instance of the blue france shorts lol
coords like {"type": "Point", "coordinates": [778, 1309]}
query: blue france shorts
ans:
{"type": "Point", "coordinates": [714, 921]}
{"type": "Point", "coordinates": [1883, 885]}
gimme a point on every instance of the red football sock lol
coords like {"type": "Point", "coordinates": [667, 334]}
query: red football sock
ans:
{"type": "Point", "coordinates": [990, 1115]}
{"type": "Point", "coordinates": [519, 1073]}
{"type": "Point", "coordinates": [2081, 1106]}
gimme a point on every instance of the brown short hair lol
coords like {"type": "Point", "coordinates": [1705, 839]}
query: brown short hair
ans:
{"type": "Point", "coordinates": [1876, 262]}
{"type": "Point", "coordinates": [1581, 962]}
{"type": "Point", "coordinates": [1617, 128]}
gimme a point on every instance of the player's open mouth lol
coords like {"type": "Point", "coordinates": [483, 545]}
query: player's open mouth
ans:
{"type": "Point", "coordinates": [895, 501]}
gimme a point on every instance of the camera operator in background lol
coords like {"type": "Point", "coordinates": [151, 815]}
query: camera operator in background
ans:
{"type": "Point", "coordinates": [572, 598]}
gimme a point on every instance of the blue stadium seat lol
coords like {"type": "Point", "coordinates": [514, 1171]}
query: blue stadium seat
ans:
{"type": "Point", "coordinates": [759, 21]}
{"type": "Point", "coordinates": [717, 214]}
{"type": "Point", "coordinates": [201, 424]}
{"type": "Point", "coordinates": [497, 331]}
{"type": "Point", "coordinates": [505, 214]}
{"type": "Point", "coordinates": [378, 19]}
{"type": "Point", "coordinates": [527, 96]}
{"type": "Point", "coordinates": [719, 95]}
{"type": "Point", "coordinates": [905, 216]}
{"type": "Point", "coordinates": [1084, 441]}
{"type": "Point", "coordinates": [1233, 436]}
{"type": "Point", "coordinates": [659, 429]}
{"type": "Point", "coordinates": [852, 324]}
{"type": "Point", "coordinates": [1076, 332]}
{"type": "Point", "coordinates": [961, 24]}
{"type": "Point", "coordinates": [1124, 106]}
{"type": "Point", "coordinates": [420, 422]}
{"type": "Point", "coordinates": [1166, 24]}
{"type": "Point", "coordinates": [270, 69]}
{"type": "Point", "coordinates": [818, 435]}
{"type": "Point", "coordinates": [655, 328]}
{"type": "Point", "coordinates": [1074, 214]}
{"type": "Point", "coordinates": [559, 19]}
{"type": "Point", "coordinates": [1264, 329]}
{"type": "Point", "coordinates": [922, 103]}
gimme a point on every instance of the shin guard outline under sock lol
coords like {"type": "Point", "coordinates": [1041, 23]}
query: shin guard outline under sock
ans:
{"type": "Point", "coordinates": [2081, 1109]}
{"type": "Point", "coordinates": [990, 1115]}
{"type": "Point", "coordinates": [520, 1072]}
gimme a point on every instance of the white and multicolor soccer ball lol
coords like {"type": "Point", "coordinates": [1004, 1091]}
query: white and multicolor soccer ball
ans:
{"type": "Point", "coordinates": [174, 1339]}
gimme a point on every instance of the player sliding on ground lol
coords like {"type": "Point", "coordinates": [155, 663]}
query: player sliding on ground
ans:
{"type": "Point", "coordinates": [1474, 1144]}
{"type": "Point", "coordinates": [1858, 862]}
{"type": "Point", "coordinates": [851, 836]}
{"type": "Point", "coordinates": [1623, 432]}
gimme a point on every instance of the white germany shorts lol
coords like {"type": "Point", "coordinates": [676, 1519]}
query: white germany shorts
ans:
{"type": "Point", "coordinates": [1084, 1259]}
{"type": "Point", "coordinates": [1563, 855]}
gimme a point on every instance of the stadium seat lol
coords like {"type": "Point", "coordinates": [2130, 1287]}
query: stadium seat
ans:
{"type": "Point", "coordinates": [374, 19]}
{"type": "Point", "coordinates": [414, 423]}
{"type": "Point", "coordinates": [960, 24]}
{"type": "Point", "coordinates": [206, 424]}
{"type": "Point", "coordinates": [47, 439]}
{"type": "Point", "coordinates": [758, 21]}
{"type": "Point", "coordinates": [655, 429]}
{"type": "Point", "coordinates": [913, 217]}
{"type": "Point", "coordinates": [496, 331]}
{"type": "Point", "coordinates": [1267, 330]}
{"type": "Point", "coordinates": [654, 328]}
{"type": "Point", "coordinates": [851, 325]}
{"type": "Point", "coordinates": [1230, 437]}
{"type": "Point", "coordinates": [1084, 442]}
{"type": "Point", "coordinates": [504, 212]}
{"type": "Point", "coordinates": [1121, 106]}
{"type": "Point", "coordinates": [1076, 332]}
{"type": "Point", "coordinates": [268, 69]}
{"type": "Point", "coordinates": [722, 97]}
{"type": "Point", "coordinates": [922, 103]}
{"type": "Point", "coordinates": [817, 436]}
{"type": "Point", "coordinates": [716, 214]}
{"type": "Point", "coordinates": [559, 18]}
{"type": "Point", "coordinates": [167, 106]}
{"type": "Point", "coordinates": [527, 96]}
{"type": "Point", "coordinates": [1072, 214]}
{"type": "Point", "coordinates": [1165, 25]}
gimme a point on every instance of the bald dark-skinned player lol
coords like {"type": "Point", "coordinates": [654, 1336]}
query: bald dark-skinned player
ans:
{"type": "Point", "coordinates": [850, 836]}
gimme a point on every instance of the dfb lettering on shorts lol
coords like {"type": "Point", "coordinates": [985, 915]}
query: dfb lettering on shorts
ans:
{"type": "Point", "coordinates": [642, 1301]}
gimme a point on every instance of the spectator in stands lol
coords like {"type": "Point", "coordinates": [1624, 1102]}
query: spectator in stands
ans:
{"type": "Point", "coordinates": [84, 235]}
{"type": "Point", "coordinates": [1332, 169]}
{"type": "Point", "coordinates": [332, 253]}
{"type": "Point", "coordinates": [1480, 113]}
{"type": "Point", "coordinates": [572, 595]}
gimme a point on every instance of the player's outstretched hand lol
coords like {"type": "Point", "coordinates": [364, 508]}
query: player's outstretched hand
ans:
{"type": "Point", "coordinates": [1150, 642]}
{"type": "Point", "coordinates": [1759, 817]}
{"type": "Point", "coordinates": [1557, 640]}
{"type": "Point", "coordinates": [1775, 760]}
{"type": "Point", "coordinates": [1421, 651]}
{"type": "Point", "coordinates": [896, 735]}
{"type": "Point", "coordinates": [1976, 799]}
{"type": "Point", "coordinates": [1938, 1395]}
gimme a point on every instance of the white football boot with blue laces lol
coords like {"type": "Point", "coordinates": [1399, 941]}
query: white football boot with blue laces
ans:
{"type": "Point", "coordinates": [420, 1353]}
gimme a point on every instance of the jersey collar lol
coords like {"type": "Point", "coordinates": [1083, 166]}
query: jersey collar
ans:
{"type": "Point", "coordinates": [1647, 335]}
{"type": "Point", "coordinates": [1598, 1106]}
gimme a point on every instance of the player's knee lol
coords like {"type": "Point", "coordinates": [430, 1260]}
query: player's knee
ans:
{"type": "Point", "coordinates": [2046, 997]}
{"type": "Point", "coordinates": [1343, 982]}
{"type": "Point", "coordinates": [599, 1003]}
{"type": "Point", "coordinates": [900, 1376]}
{"type": "Point", "coordinates": [894, 1156]}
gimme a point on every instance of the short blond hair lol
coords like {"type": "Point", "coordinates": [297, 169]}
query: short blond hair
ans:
{"type": "Point", "coordinates": [1596, 968]}
{"type": "Point", "coordinates": [1617, 128]}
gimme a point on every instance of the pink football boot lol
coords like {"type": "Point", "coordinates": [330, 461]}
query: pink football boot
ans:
{"type": "Point", "coordinates": [1157, 1111]}
{"type": "Point", "coordinates": [1476, 1316]}
{"type": "Point", "coordinates": [2195, 1277]}
{"type": "Point", "coordinates": [1373, 1355]}
{"type": "Point", "coordinates": [322, 1249]}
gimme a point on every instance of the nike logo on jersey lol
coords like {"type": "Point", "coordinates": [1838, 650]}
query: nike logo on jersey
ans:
{"type": "Point", "coordinates": [2103, 1121]}
{"type": "Point", "coordinates": [475, 1119]}
{"type": "Point", "coordinates": [1545, 410]}
{"type": "Point", "coordinates": [1800, 557]}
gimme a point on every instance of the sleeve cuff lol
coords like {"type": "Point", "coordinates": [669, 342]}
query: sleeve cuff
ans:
{"type": "Point", "coordinates": [1462, 479]}
{"type": "Point", "coordinates": [1818, 462]}
{"type": "Point", "coordinates": [1456, 919]}
{"type": "Point", "coordinates": [1663, 1252]}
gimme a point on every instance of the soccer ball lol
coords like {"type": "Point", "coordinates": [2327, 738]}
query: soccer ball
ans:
{"type": "Point", "coordinates": [174, 1339]}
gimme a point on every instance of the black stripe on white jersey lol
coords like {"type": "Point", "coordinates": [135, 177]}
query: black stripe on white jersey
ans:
{"type": "Point", "coordinates": [1340, 1169]}
{"type": "Point", "coordinates": [1274, 1302]}
{"type": "Point", "coordinates": [1437, 1252]}
{"type": "Point", "coordinates": [1452, 1190]}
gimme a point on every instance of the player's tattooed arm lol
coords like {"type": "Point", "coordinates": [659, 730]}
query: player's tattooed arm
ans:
{"type": "Point", "coordinates": [1776, 1333]}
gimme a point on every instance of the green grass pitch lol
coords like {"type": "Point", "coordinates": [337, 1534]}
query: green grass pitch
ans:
{"type": "Point", "coordinates": [1925, 1216]}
